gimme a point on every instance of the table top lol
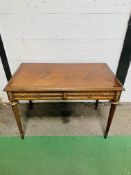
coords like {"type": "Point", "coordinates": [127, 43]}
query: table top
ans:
{"type": "Point", "coordinates": [63, 77]}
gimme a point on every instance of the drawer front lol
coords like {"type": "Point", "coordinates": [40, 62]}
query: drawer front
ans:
{"type": "Point", "coordinates": [38, 95]}
{"type": "Point", "coordinates": [92, 95]}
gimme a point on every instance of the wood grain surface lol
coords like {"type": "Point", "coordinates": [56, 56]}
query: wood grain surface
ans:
{"type": "Point", "coordinates": [63, 77]}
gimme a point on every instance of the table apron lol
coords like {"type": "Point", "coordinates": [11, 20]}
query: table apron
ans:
{"type": "Point", "coordinates": [91, 95]}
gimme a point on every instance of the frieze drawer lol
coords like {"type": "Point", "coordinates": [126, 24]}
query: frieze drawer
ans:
{"type": "Point", "coordinates": [38, 95]}
{"type": "Point", "coordinates": [63, 95]}
{"type": "Point", "coordinates": [90, 95]}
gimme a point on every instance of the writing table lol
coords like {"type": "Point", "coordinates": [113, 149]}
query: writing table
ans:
{"type": "Point", "coordinates": [60, 81]}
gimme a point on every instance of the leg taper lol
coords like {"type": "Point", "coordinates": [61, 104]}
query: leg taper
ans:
{"type": "Point", "coordinates": [96, 104]}
{"type": "Point", "coordinates": [111, 114]}
{"type": "Point", "coordinates": [17, 117]}
{"type": "Point", "coordinates": [31, 104]}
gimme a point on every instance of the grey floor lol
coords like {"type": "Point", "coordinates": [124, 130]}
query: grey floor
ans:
{"type": "Point", "coordinates": [66, 119]}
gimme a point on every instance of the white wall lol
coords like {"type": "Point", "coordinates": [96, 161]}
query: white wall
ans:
{"type": "Point", "coordinates": [63, 31]}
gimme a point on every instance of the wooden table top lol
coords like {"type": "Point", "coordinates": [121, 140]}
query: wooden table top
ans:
{"type": "Point", "coordinates": [63, 77]}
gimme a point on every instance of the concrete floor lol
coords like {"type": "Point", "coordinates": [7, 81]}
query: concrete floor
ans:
{"type": "Point", "coordinates": [66, 119]}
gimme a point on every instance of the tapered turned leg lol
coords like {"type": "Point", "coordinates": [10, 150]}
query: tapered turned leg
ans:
{"type": "Point", "coordinates": [17, 117]}
{"type": "Point", "coordinates": [31, 104]}
{"type": "Point", "coordinates": [111, 114]}
{"type": "Point", "coordinates": [96, 104]}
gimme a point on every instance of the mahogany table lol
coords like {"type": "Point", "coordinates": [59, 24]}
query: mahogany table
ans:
{"type": "Point", "coordinates": [42, 81]}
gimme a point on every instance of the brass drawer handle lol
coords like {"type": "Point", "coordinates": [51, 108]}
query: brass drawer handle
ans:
{"type": "Point", "coordinates": [106, 93]}
{"type": "Point", "coordinates": [90, 95]}
{"type": "Point", "coordinates": [38, 95]}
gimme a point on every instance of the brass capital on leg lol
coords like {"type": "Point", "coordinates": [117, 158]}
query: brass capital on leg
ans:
{"type": "Point", "coordinates": [114, 102]}
{"type": "Point", "coordinates": [13, 103]}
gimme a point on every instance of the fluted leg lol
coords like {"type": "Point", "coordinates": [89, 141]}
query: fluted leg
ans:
{"type": "Point", "coordinates": [17, 117]}
{"type": "Point", "coordinates": [111, 114]}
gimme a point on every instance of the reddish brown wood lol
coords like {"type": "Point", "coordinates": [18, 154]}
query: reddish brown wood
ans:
{"type": "Point", "coordinates": [111, 114]}
{"type": "Point", "coordinates": [40, 81]}
{"type": "Point", "coordinates": [63, 77]}
{"type": "Point", "coordinates": [17, 117]}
